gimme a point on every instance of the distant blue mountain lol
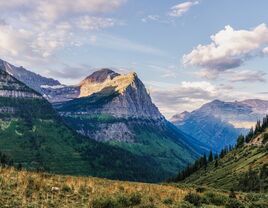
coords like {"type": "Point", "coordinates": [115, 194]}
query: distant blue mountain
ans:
{"type": "Point", "coordinates": [218, 124]}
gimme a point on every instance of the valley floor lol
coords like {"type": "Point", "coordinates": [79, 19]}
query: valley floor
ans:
{"type": "Point", "coordinates": [30, 189]}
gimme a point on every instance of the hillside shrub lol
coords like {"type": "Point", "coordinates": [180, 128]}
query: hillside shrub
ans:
{"type": "Point", "coordinates": [214, 198]}
{"type": "Point", "coordinates": [168, 201]}
{"type": "Point", "coordinates": [135, 199]}
{"type": "Point", "coordinates": [265, 138]}
{"type": "Point", "coordinates": [185, 204]}
{"type": "Point", "coordinates": [104, 203]}
{"type": "Point", "coordinates": [200, 189]}
{"type": "Point", "coordinates": [193, 198]}
{"type": "Point", "coordinates": [121, 201]}
{"type": "Point", "coordinates": [234, 203]}
{"type": "Point", "coordinates": [66, 188]}
{"type": "Point", "coordinates": [258, 205]}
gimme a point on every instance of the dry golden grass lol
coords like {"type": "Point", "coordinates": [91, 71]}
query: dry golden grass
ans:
{"type": "Point", "coordinates": [30, 189]}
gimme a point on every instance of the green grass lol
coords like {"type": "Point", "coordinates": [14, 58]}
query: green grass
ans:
{"type": "Point", "coordinates": [161, 144]}
{"type": "Point", "coordinates": [170, 155]}
{"type": "Point", "coordinates": [36, 137]}
{"type": "Point", "coordinates": [231, 167]}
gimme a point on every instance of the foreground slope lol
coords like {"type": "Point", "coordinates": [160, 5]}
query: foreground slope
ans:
{"type": "Point", "coordinates": [32, 134]}
{"type": "Point", "coordinates": [219, 123]}
{"type": "Point", "coordinates": [231, 171]}
{"type": "Point", "coordinates": [30, 189]}
{"type": "Point", "coordinates": [118, 110]}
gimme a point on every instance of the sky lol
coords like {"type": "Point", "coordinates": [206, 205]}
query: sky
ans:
{"type": "Point", "coordinates": [187, 53]}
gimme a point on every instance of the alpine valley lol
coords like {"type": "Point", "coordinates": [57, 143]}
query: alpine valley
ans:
{"type": "Point", "coordinates": [114, 119]}
{"type": "Point", "coordinates": [107, 126]}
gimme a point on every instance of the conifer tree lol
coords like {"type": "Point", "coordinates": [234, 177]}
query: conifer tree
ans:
{"type": "Point", "coordinates": [210, 158]}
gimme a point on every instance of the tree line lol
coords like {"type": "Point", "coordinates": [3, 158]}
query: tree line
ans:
{"type": "Point", "coordinates": [203, 161]}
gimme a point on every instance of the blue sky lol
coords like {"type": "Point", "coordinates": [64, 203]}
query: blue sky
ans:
{"type": "Point", "coordinates": [158, 39]}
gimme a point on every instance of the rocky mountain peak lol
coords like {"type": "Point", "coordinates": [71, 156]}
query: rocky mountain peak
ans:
{"type": "Point", "coordinates": [104, 79]}
{"type": "Point", "coordinates": [257, 104]}
{"type": "Point", "coordinates": [100, 76]}
{"type": "Point", "coordinates": [179, 117]}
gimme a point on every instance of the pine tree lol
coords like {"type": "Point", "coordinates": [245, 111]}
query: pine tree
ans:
{"type": "Point", "coordinates": [205, 161]}
{"type": "Point", "coordinates": [210, 158]}
{"type": "Point", "coordinates": [250, 135]}
{"type": "Point", "coordinates": [216, 156]}
{"type": "Point", "coordinates": [240, 141]}
{"type": "Point", "coordinates": [257, 128]}
{"type": "Point", "coordinates": [216, 163]}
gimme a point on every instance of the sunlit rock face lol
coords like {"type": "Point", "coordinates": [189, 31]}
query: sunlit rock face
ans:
{"type": "Point", "coordinates": [121, 99]}
{"type": "Point", "coordinates": [219, 123]}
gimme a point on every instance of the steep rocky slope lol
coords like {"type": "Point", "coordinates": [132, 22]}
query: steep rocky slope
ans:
{"type": "Point", "coordinates": [49, 88]}
{"type": "Point", "coordinates": [117, 109]}
{"type": "Point", "coordinates": [31, 133]}
{"type": "Point", "coordinates": [219, 123]}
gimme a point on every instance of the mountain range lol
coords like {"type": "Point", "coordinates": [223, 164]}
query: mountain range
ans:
{"type": "Point", "coordinates": [110, 115]}
{"type": "Point", "coordinates": [32, 134]}
{"type": "Point", "coordinates": [219, 123]}
{"type": "Point", "coordinates": [114, 110]}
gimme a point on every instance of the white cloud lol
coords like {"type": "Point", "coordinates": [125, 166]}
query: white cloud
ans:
{"type": "Point", "coordinates": [173, 99]}
{"type": "Point", "coordinates": [95, 23]}
{"type": "Point", "coordinates": [186, 96]}
{"type": "Point", "coordinates": [51, 10]}
{"type": "Point", "coordinates": [180, 9]}
{"type": "Point", "coordinates": [249, 76]}
{"type": "Point", "coordinates": [33, 30]}
{"type": "Point", "coordinates": [265, 51]}
{"type": "Point", "coordinates": [229, 49]}
{"type": "Point", "coordinates": [151, 17]}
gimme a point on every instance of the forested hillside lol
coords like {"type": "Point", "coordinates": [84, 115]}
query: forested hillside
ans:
{"type": "Point", "coordinates": [243, 167]}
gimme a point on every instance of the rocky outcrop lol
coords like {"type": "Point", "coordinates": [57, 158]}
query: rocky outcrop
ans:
{"type": "Point", "coordinates": [32, 80]}
{"type": "Point", "coordinates": [11, 87]}
{"type": "Point", "coordinates": [121, 97]}
{"type": "Point", "coordinates": [18, 94]}
{"type": "Point", "coordinates": [109, 131]}
{"type": "Point", "coordinates": [50, 89]}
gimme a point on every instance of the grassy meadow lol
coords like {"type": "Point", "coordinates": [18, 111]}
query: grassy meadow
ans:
{"type": "Point", "coordinates": [20, 188]}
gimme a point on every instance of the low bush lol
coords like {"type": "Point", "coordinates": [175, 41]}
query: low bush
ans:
{"type": "Point", "coordinates": [200, 189]}
{"type": "Point", "coordinates": [193, 198]}
{"type": "Point", "coordinates": [121, 201]}
{"type": "Point", "coordinates": [214, 198]}
{"type": "Point", "coordinates": [185, 204]}
{"type": "Point", "coordinates": [135, 199]}
{"type": "Point", "coordinates": [104, 203]}
{"type": "Point", "coordinates": [258, 205]}
{"type": "Point", "coordinates": [66, 188]}
{"type": "Point", "coordinates": [234, 203]}
{"type": "Point", "coordinates": [168, 201]}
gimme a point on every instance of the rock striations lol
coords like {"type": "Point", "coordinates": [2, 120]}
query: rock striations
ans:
{"type": "Point", "coordinates": [11, 87]}
{"type": "Point", "coordinates": [117, 109]}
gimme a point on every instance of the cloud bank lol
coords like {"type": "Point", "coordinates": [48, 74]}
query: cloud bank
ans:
{"type": "Point", "coordinates": [229, 49]}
